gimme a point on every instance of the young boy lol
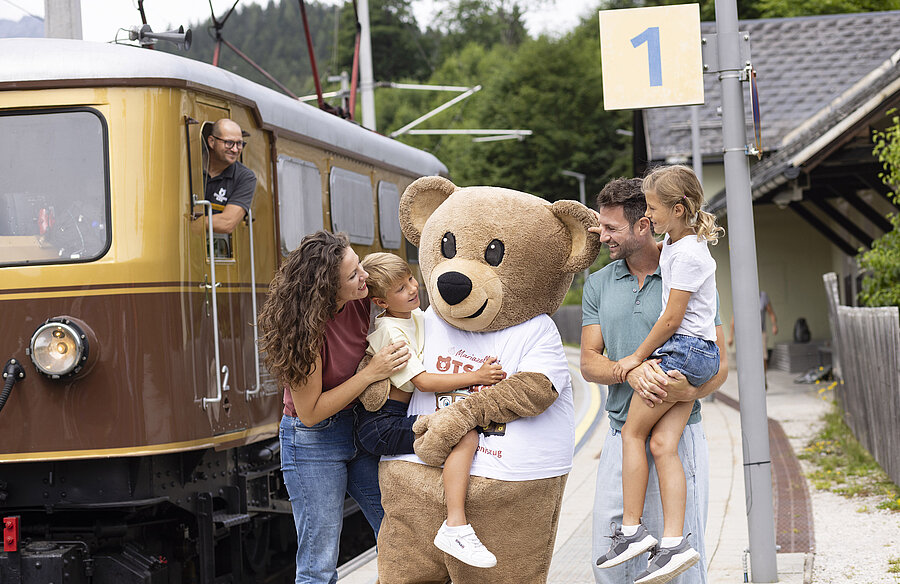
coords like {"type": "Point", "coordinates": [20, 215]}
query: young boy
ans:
{"type": "Point", "coordinates": [393, 288]}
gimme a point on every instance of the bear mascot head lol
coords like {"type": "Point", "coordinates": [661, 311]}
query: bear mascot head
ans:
{"type": "Point", "coordinates": [496, 263]}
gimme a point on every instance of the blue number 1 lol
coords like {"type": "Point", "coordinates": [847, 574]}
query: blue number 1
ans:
{"type": "Point", "coordinates": [651, 37]}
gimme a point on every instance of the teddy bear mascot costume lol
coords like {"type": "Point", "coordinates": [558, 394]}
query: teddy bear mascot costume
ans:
{"type": "Point", "coordinates": [496, 263]}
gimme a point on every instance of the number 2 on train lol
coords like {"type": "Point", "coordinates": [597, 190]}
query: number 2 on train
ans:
{"type": "Point", "coordinates": [654, 59]}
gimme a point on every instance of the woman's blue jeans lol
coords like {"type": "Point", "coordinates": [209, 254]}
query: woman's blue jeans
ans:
{"type": "Point", "coordinates": [320, 464]}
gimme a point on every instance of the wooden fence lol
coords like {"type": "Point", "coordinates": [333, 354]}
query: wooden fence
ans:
{"type": "Point", "coordinates": [866, 359]}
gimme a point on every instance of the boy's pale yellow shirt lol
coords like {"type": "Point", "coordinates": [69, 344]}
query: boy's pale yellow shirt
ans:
{"type": "Point", "coordinates": [389, 329]}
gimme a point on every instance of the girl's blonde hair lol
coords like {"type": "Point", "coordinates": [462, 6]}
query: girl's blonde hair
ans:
{"type": "Point", "coordinates": [384, 270]}
{"type": "Point", "coordinates": [677, 184]}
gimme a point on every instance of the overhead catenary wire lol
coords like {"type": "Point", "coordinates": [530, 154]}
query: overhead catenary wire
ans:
{"type": "Point", "coordinates": [14, 5]}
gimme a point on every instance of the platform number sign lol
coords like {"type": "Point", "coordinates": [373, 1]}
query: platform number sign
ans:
{"type": "Point", "coordinates": [651, 57]}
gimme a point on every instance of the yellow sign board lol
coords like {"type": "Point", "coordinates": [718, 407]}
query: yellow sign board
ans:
{"type": "Point", "coordinates": [651, 57]}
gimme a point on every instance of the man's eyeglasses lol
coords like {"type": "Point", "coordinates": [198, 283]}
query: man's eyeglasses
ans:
{"type": "Point", "coordinates": [229, 144]}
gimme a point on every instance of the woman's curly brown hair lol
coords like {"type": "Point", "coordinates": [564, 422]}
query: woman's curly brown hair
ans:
{"type": "Point", "coordinates": [302, 298]}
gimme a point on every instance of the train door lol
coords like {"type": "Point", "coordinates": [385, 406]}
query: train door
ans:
{"type": "Point", "coordinates": [221, 267]}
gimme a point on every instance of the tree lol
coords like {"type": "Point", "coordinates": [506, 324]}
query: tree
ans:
{"type": "Point", "coordinates": [549, 86]}
{"type": "Point", "coordinates": [749, 9]}
{"type": "Point", "coordinates": [485, 22]}
{"type": "Point", "coordinates": [400, 50]}
{"type": "Point", "coordinates": [273, 37]}
{"type": "Point", "coordinates": [881, 284]}
{"type": "Point", "coordinates": [785, 8]}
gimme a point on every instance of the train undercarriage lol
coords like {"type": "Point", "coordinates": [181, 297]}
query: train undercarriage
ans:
{"type": "Point", "coordinates": [202, 517]}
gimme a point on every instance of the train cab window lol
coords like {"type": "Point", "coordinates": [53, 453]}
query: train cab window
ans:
{"type": "Point", "coordinates": [54, 196]}
{"type": "Point", "coordinates": [389, 215]}
{"type": "Point", "coordinates": [352, 205]}
{"type": "Point", "coordinates": [299, 201]}
{"type": "Point", "coordinates": [216, 189]}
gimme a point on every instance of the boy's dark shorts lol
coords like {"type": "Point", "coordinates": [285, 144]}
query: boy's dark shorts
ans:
{"type": "Point", "coordinates": [387, 431]}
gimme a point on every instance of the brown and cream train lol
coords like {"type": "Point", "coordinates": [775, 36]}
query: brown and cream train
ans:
{"type": "Point", "coordinates": [138, 427]}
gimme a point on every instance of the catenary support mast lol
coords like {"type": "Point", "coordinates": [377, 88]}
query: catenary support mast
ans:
{"type": "Point", "coordinates": [745, 295]}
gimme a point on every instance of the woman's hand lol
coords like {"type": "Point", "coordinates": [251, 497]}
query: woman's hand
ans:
{"type": "Point", "coordinates": [390, 359]}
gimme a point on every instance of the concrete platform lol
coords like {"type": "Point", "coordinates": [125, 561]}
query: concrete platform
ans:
{"type": "Point", "coordinates": [726, 534]}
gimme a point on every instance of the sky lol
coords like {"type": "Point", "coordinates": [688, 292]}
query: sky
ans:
{"type": "Point", "coordinates": [101, 19]}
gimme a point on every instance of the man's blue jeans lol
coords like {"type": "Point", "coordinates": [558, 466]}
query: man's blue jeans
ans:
{"type": "Point", "coordinates": [320, 464]}
{"type": "Point", "coordinates": [694, 454]}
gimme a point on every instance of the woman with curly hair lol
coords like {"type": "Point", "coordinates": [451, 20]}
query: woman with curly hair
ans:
{"type": "Point", "coordinates": [313, 329]}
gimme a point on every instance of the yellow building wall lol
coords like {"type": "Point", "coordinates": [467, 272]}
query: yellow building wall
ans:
{"type": "Point", "coordinates": [791, 259]}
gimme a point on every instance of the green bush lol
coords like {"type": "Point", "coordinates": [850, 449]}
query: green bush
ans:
{"type": "Point", "coordinates": [881, 285]}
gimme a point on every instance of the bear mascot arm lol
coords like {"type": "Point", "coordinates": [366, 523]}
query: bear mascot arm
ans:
{"type": "Point", "coordinates": [522, 395]}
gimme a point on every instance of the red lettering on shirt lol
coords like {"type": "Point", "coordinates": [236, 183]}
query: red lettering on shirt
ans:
{"type": "Point", "coordinates": [495, 453]}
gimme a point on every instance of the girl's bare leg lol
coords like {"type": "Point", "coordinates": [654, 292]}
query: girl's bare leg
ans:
{"type": "Point", "coordinates": [635, 472]}
{"type": "Point", "coordinates": [664, 447]}
{"type": "Point", "coordinates": [456, 478]}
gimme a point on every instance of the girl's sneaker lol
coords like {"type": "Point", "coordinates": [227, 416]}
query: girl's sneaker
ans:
{"type": "Point", "coordinates": [462, 543]}
{"type": "Point", "coordinates": [666, 563]}
{"type": "Point", "coordinates": [624, 547]}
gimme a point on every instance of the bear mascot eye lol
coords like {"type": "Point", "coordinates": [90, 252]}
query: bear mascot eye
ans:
{"type": "Point", "coordinates": [448, 245]}
{"type": "Point", "coordinates": [494, 252]}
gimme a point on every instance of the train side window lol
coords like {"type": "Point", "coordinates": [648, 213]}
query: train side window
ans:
{"type": "Point", "coordinates": [299, 201]}
{"type": "Point", "coordinates": [352, 205]}
{"type": "Point", "coordinates": [389, 215]}
{"type": "Point", "coordinates": [54, 196]}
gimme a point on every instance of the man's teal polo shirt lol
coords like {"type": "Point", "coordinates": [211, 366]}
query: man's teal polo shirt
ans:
{"type": "Point", "coordinates": [625, 313]}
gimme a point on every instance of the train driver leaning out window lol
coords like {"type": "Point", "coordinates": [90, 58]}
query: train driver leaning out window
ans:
{"type": "Point", "coordinates": [229, 184]}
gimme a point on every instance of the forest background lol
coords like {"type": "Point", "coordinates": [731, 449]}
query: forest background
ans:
{"type": "Point", "coordinates": [550, 85]}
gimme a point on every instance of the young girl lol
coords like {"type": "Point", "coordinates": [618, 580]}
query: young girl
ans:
{"type": "Point", "coordinates": [393, 288]}
{"type": "Point", "coordinates": [684, 339]}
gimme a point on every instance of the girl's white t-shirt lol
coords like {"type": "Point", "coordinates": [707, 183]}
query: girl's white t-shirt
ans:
{"type": "Point", "coordinates": [524, 449]}
{"type": "Point", "coordinates": [687, 265]}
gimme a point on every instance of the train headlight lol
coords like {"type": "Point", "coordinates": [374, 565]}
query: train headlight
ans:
{"type": "Point", "coordinates": [59, 347]}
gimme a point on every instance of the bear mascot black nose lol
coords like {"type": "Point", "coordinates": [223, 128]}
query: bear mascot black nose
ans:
{"type": "Point", "coordinates": [454, 287]}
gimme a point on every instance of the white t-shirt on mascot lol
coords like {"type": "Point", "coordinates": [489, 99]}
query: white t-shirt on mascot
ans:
{"type": "Point", "coordinates": [525, 449]}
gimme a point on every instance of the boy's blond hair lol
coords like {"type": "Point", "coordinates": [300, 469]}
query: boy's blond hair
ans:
{"type": "Point", "coordinates": [384, 270]}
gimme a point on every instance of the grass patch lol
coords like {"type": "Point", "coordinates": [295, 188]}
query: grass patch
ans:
{"type": "Point", "coordinates": [844, 467]}
{"type": "Point", "coordinates": [894, 565]}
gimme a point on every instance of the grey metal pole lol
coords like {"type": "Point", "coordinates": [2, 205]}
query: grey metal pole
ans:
{"type": "Point", "coordinates": [696, 154]}
{"type": "Point", "coordinates": [366, 73]}
{"type": "Point", "coordinates": [745, 295]}
{"type": "Point", "coordinates": [62, 19]}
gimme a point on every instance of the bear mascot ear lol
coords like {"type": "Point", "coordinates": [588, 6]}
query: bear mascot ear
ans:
{"type": "Point", "coordinates": [585, 245]}
{"type": "Point", "coordinates": [419, 201]}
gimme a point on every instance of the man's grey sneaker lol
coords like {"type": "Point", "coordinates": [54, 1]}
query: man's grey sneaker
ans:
{"type": "Point", "coordinates": [623, 547]}
{"type": "Point", "coordinates": [464, 545]}
{"type": "Point", "coordinates": [666, 563]}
